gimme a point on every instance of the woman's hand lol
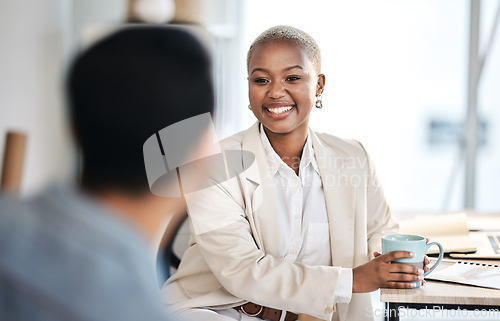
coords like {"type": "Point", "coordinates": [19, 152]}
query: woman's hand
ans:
{"type": "Point", "coordinates": [426, 262]}
{"type": "Point", "coordinates": [381, 273]}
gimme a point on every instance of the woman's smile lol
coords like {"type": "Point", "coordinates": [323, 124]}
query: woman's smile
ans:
{"type": "Point", "coordinates": [279, 110]}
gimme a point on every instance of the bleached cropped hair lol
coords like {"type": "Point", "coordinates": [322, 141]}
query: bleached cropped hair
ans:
{"type": "Point", "coordinates": [292, 34]}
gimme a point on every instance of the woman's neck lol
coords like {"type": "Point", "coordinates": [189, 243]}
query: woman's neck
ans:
{"type": "Point", "coordinates": [289, 146]}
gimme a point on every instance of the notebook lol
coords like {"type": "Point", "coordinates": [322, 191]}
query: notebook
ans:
{"type": "Point", "coordinates": [450, 230]}
{"type": "Point", "coordinates": [469, 273]}
{"type": "Point", "coordinates": [488, 246]}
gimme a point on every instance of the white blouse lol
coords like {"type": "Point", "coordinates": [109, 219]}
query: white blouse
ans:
{"type": "Point", "coordinates": [304, 233]}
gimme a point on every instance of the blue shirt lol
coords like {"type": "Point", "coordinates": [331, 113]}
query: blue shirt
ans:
{"type": "Point", "coordinates": [63, 256]}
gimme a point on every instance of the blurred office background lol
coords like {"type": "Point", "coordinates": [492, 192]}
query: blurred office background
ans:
{"type": "Point", "coordinates": [397, 79]}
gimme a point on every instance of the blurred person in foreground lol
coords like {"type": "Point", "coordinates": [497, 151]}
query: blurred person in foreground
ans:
{"type": "Point", "coordinates": [87, 253]}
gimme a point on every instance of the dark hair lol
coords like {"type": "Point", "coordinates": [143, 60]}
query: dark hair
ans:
{"type": "Point", "coordinates": [127, 87]}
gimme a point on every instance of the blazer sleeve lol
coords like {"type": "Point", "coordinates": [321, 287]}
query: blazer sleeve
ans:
{"type": "Point", "coordinates": [379, 219]}
{"type": "Point", "coordinates": [227, 242]}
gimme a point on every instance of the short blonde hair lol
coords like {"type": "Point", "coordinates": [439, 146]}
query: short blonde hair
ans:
{"type": "Point", "coordinates": [292, 34]}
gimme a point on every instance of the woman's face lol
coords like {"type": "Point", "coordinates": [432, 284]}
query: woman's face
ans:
{"type": "Point", "coordinates": [282, 86]}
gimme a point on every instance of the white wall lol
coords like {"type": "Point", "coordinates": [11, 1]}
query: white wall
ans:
{"type": "Point", "coordinates": [36, 40]}
{"type": "Point", "coordinates": [32, 41]}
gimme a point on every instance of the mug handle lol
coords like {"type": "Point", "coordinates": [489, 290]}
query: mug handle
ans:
{"type": "Point", "coordinates": [441, 254]}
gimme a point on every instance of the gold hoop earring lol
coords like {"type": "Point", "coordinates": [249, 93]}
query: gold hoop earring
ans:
{"type": "Point", "coordinates": [319, 102]}
{"type": "Point", "coordinates": [249, 107]}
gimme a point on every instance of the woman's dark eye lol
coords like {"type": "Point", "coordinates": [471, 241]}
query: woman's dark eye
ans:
{"type": "Point", "coordinates": [260, 80]}
{"type": "Point", "coordinates": [292, 78]}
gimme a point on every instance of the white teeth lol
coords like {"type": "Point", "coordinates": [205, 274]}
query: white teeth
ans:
{"type": "Point", "coordinates": [279, 110]}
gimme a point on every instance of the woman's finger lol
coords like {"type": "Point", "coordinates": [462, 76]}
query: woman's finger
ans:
{"type": "Point", "coordinates": [404, 268]}
{"type": "Point", "coordinates": [394, 255]}
{"type": "Point", "coordinates": [404, 277]}
{"type": "Point", "coordinates": [426, 263]}
{"type": "Point", "coordinates": [401, 285]}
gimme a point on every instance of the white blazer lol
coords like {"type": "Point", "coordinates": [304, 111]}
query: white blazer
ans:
{"type": "Point", "coordinates": [232, 257]}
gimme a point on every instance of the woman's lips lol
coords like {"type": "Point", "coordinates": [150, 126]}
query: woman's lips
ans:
{"type": "Point", "coordinates": [279, 110]}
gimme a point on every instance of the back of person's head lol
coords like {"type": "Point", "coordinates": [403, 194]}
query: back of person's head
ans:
{"type": "Point", "coordinates": [127, 87]}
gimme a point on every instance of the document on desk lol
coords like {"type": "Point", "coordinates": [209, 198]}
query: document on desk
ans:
{"type": "Point", "coordinates": [450, 230]}
{"type": "Point", "coordinates": [469, 273]}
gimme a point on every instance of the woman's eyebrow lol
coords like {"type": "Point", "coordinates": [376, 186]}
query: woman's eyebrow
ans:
{"type": "Point", "coordinates": [259, 69]}
{"type": "Point", "coordinates": [293, 67]}
{"type": "Point", "coordinates": [285, 69]}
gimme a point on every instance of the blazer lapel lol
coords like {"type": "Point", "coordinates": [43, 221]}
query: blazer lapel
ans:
{"type": "Point", "coordinates": [264, 209]}
{"type": "Point", "coordinates": [339, 198]}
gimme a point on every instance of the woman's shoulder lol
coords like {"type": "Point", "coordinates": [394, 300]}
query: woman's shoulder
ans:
{"type": "Point", "coordinates": [235, 141]}
{"type": "Point", "coordinates": [345, 146]}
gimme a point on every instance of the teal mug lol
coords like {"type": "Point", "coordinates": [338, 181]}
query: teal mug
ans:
{"type": "Point", "coordinates": [412, 243]}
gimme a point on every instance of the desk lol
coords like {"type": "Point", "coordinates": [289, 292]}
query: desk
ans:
{"type": "Point", "coordinates": [440, 296]}
{"type": "Point", "coordinates": [446, 296]}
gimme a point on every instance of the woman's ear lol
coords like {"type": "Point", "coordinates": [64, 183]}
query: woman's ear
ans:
{"type": "Point", "coordinates": [320, 86]}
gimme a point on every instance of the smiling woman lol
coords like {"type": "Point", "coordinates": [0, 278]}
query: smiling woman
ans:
{"type": "Point", "coordinates": [295, 232]}
{"type": "Point", "coordinates": [282, 86]}
{"type": "Point", "coordinates": [284, 80]}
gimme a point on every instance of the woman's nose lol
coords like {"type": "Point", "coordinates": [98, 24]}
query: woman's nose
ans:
{"type": "Point", "coordinates": [276, 90]}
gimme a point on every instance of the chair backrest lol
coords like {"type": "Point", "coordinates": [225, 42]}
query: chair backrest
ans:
{"type": "Point", "coordinates": [13, 162]}
{"type": "Point", "coordinates": [166, 258]}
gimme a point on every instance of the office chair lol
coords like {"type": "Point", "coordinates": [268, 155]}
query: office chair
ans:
{"type": "Point", "coordinates": [166, 258]}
